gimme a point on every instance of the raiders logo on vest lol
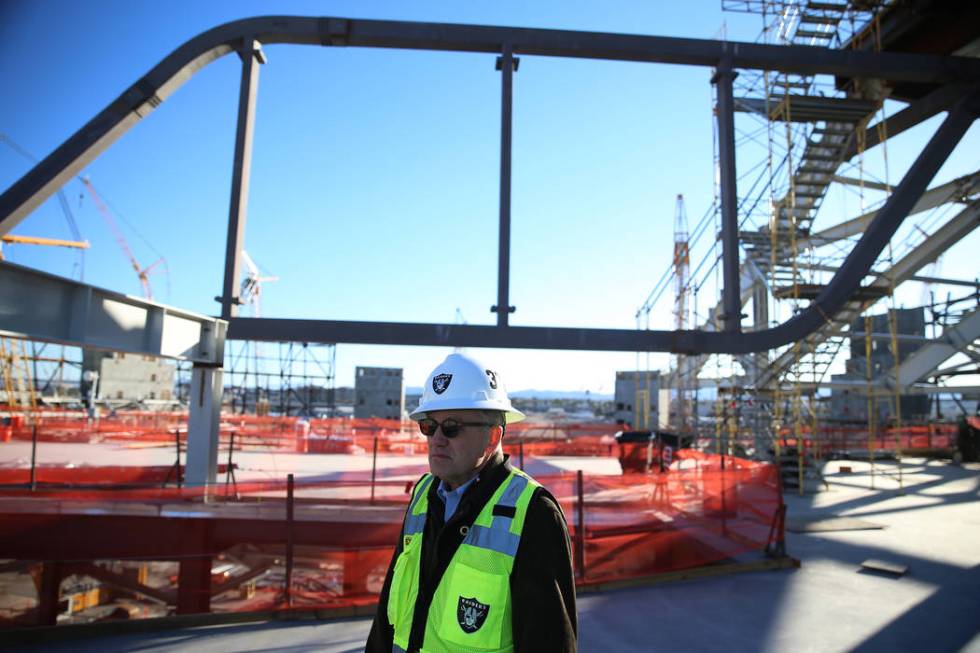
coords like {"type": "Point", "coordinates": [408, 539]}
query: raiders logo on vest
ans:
{"type": "Point", "coordinates": [440, 382]}
{"type": "Point", "coordinates": [471, 614]}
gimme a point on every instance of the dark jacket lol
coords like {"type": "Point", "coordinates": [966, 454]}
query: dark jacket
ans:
{"type": "Point", "coordinates": [542, 583]}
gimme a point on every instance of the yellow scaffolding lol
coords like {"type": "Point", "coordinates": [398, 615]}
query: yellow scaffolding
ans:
{"type": "Point", "coordinates": [18, 382]}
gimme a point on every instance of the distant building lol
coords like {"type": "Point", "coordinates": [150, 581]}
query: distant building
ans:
{"type": "Point", "coordinates": [413, 399]}
{"type": "Point", "coordinates": [379, 392]}
{"type": "Point", "coordinates": [129, 378]}
{"type": "Point", "coordinates": [848, 405]}
{"type": "Point", "coordinates": [636, 398]}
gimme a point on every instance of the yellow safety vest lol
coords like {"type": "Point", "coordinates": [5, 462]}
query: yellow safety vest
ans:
{"type": "Point", "coordinates": [471, 607]}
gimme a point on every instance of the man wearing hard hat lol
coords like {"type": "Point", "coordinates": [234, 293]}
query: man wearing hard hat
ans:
{"type": "Point", "coordinates": [484, 559]}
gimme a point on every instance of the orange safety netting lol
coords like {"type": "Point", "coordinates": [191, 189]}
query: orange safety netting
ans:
{"type": "Point", "coordinates": [333, 435]}
{"type": "Point", "coordinates": [844, 439]}
{"type": "Point", "coordinates": [151, 551]}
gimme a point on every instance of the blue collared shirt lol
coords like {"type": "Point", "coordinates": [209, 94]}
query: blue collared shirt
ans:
{"type": "Point", "coordinates": [452, 497]}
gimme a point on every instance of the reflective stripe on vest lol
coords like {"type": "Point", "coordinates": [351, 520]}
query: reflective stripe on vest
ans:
{"type": "Point", "coordinates": [415, 518]}
{"type": "Point", "coordinates": [471, 607]}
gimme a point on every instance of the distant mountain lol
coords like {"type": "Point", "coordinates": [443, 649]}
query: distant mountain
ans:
{"type": "Point", "coordinates": [537, 394]}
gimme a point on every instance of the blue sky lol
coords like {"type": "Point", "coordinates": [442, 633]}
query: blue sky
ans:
{"type": "Point", "coordinates": [374, 183]}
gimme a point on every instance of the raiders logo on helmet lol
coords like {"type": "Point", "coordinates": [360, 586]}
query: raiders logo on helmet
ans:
{"type": "Point", "coordinates": [471, 614]}
{"type": "Point", "coordinates": [440, 383]}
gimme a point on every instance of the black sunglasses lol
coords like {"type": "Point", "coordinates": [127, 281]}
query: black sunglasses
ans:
{"type": "Point", "coordinates": [450, 427]}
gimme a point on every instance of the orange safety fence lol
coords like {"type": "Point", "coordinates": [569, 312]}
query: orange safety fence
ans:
{"type": "Point", "coordinates": [92, 553]}
{"type": "Point", "coordinates": [841, 439]}
{"type": "Point", "coordinates": [292, 434]}
{"type": "Point", "coordinates": [346, 435]}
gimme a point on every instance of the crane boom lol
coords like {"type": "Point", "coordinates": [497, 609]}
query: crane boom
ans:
{"type": "Point", "coordinates": [65, 208]}
{"type": "Point", "coordinates": [142, 273]}
{"type": "Point", "coordinates": [38, 240]}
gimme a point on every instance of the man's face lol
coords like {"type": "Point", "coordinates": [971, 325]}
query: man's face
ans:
{"type": "Point", "coordinates": [457, 460]}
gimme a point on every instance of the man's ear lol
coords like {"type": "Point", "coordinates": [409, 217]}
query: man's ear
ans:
{"type": "Point", "coordinates": [496, 435]}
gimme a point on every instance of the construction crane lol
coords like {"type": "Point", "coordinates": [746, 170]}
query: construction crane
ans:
{"type": "Point", "coordinates": [682, 266]}
{"type": "Point", "coordinates": [10, 239]}
{"type": "Point", "coordinates": [142, 273]}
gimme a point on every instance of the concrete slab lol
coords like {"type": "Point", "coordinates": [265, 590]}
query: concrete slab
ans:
{"type": "Point", "coordinates": [932, 525]}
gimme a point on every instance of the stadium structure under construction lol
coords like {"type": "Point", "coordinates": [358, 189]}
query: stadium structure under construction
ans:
{"type": "Point", "coordinates": [165, 469]}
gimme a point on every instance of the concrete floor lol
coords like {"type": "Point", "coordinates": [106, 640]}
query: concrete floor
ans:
{"type": "Point", "coordinates": [829, 604]}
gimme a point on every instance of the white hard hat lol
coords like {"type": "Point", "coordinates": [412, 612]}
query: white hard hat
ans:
{"type": "Point", "coordinates": [463, 383]}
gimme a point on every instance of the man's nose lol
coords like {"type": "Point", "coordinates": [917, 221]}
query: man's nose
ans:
{"type": "Point", "coordinates": [439, 437]}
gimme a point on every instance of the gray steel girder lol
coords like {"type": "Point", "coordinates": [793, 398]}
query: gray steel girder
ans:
{"type": "Point", "coordinates": [923, 362]}
{"type": "Point", "coordinates": [40, 306]}
{"type": "Point", "coordinates": [141, 98]}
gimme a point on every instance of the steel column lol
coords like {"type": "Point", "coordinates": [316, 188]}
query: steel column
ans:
{"type": "Point", "coordinates": [760, 322]}
{"type": "Point", "coordinates": [289, 538]}
{"type": "Point", "coordinates": [194, 585]}
{"type": "Point", "coordinates": [731, 315]}
{"type": "Point", "coordinates": [507, 64]}
{"type": "Point", "coordinates": [202, 426]}
{"type": "Point", "coordinates": [251, 54]}
{"type": "Point", "coordinates": [49, 592]}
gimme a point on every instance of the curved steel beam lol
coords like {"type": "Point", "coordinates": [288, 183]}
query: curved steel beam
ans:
{"type": "Point", "coordinates": [147, 93]}
{"type": "Point", "coordinates": [157, 85]}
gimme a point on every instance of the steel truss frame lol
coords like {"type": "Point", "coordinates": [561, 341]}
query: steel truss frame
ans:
{"type": "Point", "coordinates": [958, 79]}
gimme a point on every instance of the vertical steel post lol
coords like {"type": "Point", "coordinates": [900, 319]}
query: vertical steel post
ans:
{"type": "Point", "coordinates": [507, 64]}
{"type": "Point", "coordinates": [580, 527]}
{"type": "Point", "coordinates": [34, 458]}
{"type": "Point", "coordinates": [289, 541]}
{"type": "Point", "coordinates": [180, 477]}
{"type": "Point", "coordinates": [49, 593]}
{"type": "Point", "coordinates": [251, 55]}
{"type": "Point", "coordinates": [731, 293]}
{"type": "Point", "coordinates": [194, 571]}
{"type": "Point", "coordinates": [203, 426]}
{"type": "Point", "coordinates": [374, 467]}
{"type": "Point", "coordinates": [231, 449]}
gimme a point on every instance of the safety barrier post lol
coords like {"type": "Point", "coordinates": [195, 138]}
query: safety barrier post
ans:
{"type": "Point", "coordinates": [34, 458]}
{"type": "Point", "coordinates": [521, 445]}
{"type": "Point", "coordinates": [776, 542]}
{"type": "Point", "coordinates": [229, 474]}
{"type": "Point", "coordinates": [374, 467]}
{"type": "Point", "coordinates": [580, 528]}
{"type": "Point", "coordinates": [289, 541]}
{"type": "Point", "coordinates": [180, 478]}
